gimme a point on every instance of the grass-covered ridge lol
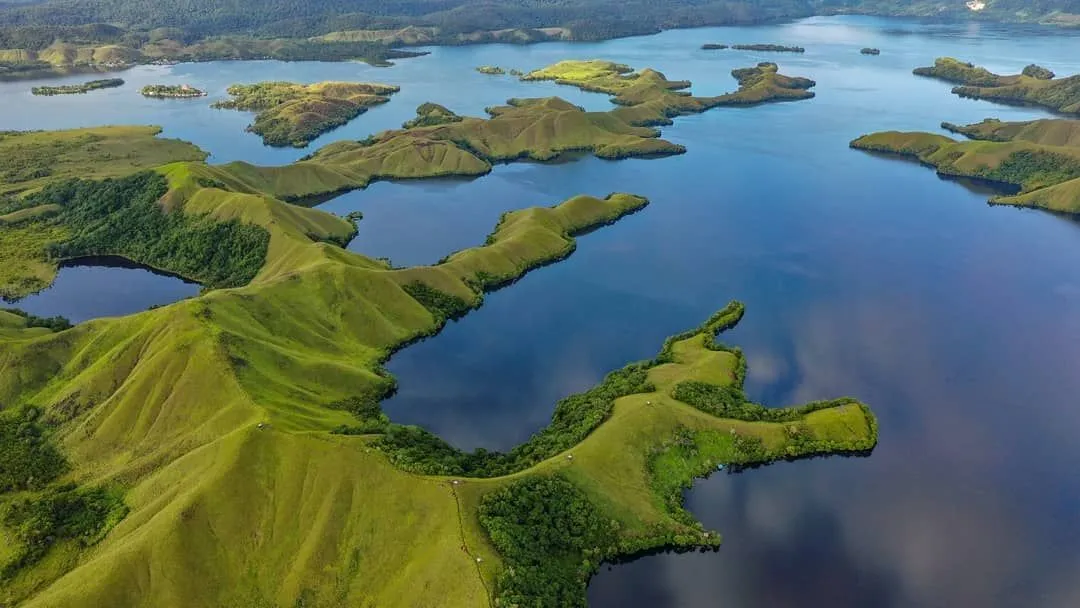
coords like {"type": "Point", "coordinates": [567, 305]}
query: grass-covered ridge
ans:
{"type": "Point", "coordinates": [649, 98]}
{"type": "Point", "coordinates": [308, 331]}
{"type": "Point", "coordinates": [199, 434]}
{"type": "Point", "coordinates": [1035, 85]}
{"type": "Point", "coordinates": [1041, 157]}
{"type": "Point", "coordinates": [292, 114]}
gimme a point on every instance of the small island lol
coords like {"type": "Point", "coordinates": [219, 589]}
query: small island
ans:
{"type": "Point", "coordinates": [1038, 72]}
{"type": "Point", "coordinates": [291, 114]}
{"type": "Point", "coordinates": [491, 70]}
{"type": "Point", "coordinates": [870, 51]}
{"type": "Point", "coordinates": [1036, 85]}
{"type": "Point", "coordinates": [78, 89]}
{"type": "Point", "coordinates": [171, 91]}
{"type": "Point", "coordinates": [713, 47]}
{"type": "Point", "coordinates": [770, 48]}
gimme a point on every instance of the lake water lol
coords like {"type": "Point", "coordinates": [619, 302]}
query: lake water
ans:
{"type": "Point", "coordinates": [864, 276]}
{"type": "Point", "coordinates": [89, 288]}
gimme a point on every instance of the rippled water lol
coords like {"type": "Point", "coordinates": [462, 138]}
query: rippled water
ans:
{"type": "Point", "coordinates": [863, 276]}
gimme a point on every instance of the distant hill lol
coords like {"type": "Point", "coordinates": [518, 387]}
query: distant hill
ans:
{"type": "Point", "coordinates": [587, 19]}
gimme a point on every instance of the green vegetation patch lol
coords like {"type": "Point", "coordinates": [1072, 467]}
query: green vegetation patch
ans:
{"type": "Point", "coordinates": [491, 70]}
{"type": "Point", "coordinates": [1041, 157]}
{"type": "Point", "coordinates": [552, 538]}
{"type": "Point", "coordinates": [64, 514]}
{"type": "Point", "coordinates": [649, 98]}
{"type": "Point", "coordinates": [173, 91]}
{"type": "Point", "coordinates": [292, 114]}
{"type": "Point", "coordinates": [1035, 86]}
{"type": "Point", "coordinates": [29, 159]}
{"type": "Point", "coordinates": [72, 89]}
{"type": "Point", "coordinates": [124, 217]}
{"type": "Point", "coordinates": [28, 460]}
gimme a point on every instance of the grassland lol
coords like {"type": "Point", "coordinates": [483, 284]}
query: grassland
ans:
{"type": "Point", "coordinates": [649, 98]}
{"type": "Point", "coordinates": [1034, 86]}
{"type": "Point", "coordinates": [1041, 157]}
{"type": "Point", "coordinates": [228, 449]}
{"type": "Point", "coordinates": [292, 114]}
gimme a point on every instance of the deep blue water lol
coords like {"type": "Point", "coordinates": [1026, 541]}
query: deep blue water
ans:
{"type": "Point", "coordinates": [89, 288]}
{"type": "Point", "coordinates": [865, 276]}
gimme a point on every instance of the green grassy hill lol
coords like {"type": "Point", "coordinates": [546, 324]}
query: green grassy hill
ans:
{"type": "Point", "coordinates": [292, 114]}
{"type": "Point", "coordinates": [1035, 86]}
{"type": "Point", "coordinates": [229, 449]}
{"type": "Point", "coordinates": [1041, 157]}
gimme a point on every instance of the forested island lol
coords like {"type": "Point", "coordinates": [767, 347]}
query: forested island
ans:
{"type": "Point", "coordinates": [1036, 85]}
{"type": "Point", "coordinates": [491, 70]}
{"type": "Point", "coordinates": [181, 91]}
{"type": "Point", "coordinates": [870, 51]}
{"type": "Point", "coordinates": [292, 114]}
{"type": "Point", "coordinates": [1041, 157]}
{"type": "Point", "coordinates": [75, 89]}
{"type": "Point", "coordinates": [770, 48]}
{"type": "Point", "coordinates": [713, 47]}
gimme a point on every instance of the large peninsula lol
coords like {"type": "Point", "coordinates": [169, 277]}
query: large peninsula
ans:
{"type": "Point", "coordinates": [1035, 85]}
{"type": "Point", "coordinates": [235, 439]}
{"type": "Point", "coordinates": [292, 114]}
{"type": "Point", "coordinates": [1041, 157]}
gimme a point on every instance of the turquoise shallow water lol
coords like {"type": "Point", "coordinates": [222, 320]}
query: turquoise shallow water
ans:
{"type": "Point", "coordinates": [863, 276]}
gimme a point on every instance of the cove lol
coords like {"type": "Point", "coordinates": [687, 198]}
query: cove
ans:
{"type": "Point", "coordinates": [107, 286]}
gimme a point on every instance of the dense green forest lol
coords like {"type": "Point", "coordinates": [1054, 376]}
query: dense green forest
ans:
{"type": "Point", "coordinates": [123, 217]}
{"type": "Point", "coordinates": [41, 23]}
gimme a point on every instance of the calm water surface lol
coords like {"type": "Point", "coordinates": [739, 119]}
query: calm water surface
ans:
{"type": "Point", "coordinates": [89, 288]}
{"type": "Point", "coordinates": [863, 276]}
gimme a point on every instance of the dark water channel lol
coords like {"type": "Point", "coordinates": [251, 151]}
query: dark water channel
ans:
{"type": "Point", "coordinates": [865, 276]}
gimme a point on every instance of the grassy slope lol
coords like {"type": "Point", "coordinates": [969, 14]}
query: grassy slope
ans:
{"type": "Point", "coordinates": [649, 98]}
{"type": "Point", "coordinates": [1059, 94]}
{"type": "Point", "coordinates": [30, 159]}
{"type": "Point", "coordinates": [165, 402]}
{"type": "Point", "coordinates": [292, 114]}
{"type": "Point", "coordinates": [224, 513]}
{"type": "Point", "coordinates": [1041, 157]}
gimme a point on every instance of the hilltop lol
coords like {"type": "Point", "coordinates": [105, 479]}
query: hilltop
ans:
{"type": "Point", "coordinates": [1041, 157]}
{"type": "Point", "coordinates": [292, 114]}
{"type": "Point", "coordinates": [1035, 85]}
